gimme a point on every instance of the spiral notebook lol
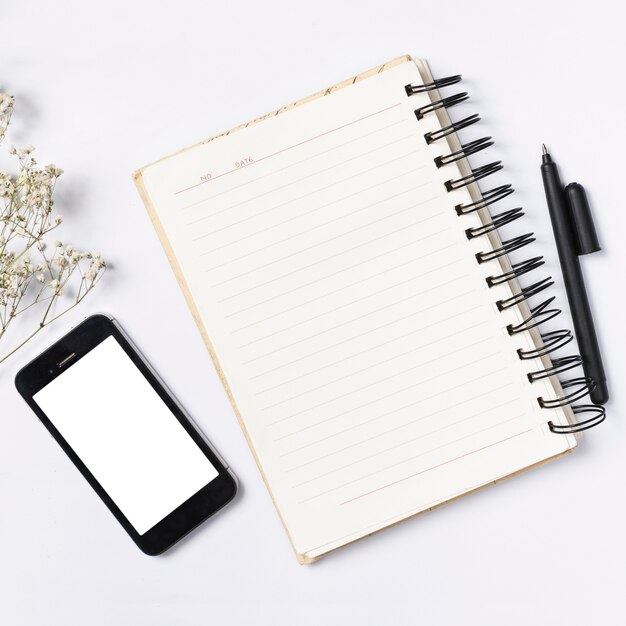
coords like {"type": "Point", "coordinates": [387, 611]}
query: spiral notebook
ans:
{"type": "Point", "coordinates": [361, 310]}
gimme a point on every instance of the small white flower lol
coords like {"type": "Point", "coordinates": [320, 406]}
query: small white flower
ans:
{"type": "Point", "coordinates": [26, 206]}
{"type": "Point", "coordinates": [56, 286]}
{"type": "Point", "coordinates": [6, 103]}
{"type": "Point", "coordinates": [90, 273]}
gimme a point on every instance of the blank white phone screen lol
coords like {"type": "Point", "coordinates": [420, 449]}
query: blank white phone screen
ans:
{"type": "Point", "coordinates": [125, 434]}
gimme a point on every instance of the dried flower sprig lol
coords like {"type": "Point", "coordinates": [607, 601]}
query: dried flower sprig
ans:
{"type": "Point", "coordinates": [6, 110]}
{"type": "Point", "coordinates": [29, 276]}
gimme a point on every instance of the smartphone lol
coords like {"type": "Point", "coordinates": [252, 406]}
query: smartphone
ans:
{"type": "Point", "coordinates": [125, 432]}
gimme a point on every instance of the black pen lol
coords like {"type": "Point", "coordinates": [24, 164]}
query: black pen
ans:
{"type": "Point", "coordinates": [568, 249]}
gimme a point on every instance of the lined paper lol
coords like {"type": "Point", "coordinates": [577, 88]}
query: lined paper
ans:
{"type": "Point", "coordinates": [367, 359]}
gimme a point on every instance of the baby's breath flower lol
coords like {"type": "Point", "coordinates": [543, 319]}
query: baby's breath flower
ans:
{"type": "Point", "coordinates": [52, 170]}
{"type": "Point", "coordinates": [6, 102]}
{"type": "Point", "coordinates": [26, 218]}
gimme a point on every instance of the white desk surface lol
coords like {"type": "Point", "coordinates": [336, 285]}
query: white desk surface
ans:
{"type": "Point", "coordinates": [105, 88]}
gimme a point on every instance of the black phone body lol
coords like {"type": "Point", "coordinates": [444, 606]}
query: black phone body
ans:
{"type": "Point", "coordinates": [127, 435]}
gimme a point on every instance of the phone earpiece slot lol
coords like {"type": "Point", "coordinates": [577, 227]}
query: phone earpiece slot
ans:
{"type": "Point", "coordinates": [68, 358]}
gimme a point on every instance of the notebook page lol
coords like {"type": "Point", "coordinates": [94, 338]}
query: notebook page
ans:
{"type": "Point", "coordinates": [368, 362]}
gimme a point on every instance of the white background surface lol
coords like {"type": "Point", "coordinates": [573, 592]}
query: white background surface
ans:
{"type": "Point", "coordinates": [104, 88]}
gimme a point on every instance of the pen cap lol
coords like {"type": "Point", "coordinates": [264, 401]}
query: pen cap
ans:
{"type": "Point", "coordinates": [582, 222]}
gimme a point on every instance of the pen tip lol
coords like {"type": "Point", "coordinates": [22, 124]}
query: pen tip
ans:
{"type": "Point", "coordinates": [544, 149]}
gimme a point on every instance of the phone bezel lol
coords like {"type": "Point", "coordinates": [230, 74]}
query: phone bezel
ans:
{"type": "Point", "coordinates": [80, 341]}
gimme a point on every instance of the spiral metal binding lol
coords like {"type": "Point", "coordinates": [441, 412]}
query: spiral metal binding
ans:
{"type": "Point", "coordinates": [552, 341]}
{"type": "Point", "coordinates": [435, 135]}
{"type": "Point", "coordinates": [538, 315]}
{"type": "Point", "coordinates": [436, 84]}
{"type": "Point", "coordinates": [525, 293]}
{"type": "Point", "coordinates": [444, 103]}
{"type": "Point", "coordinates": [598, 415]}
{"type": "Point", "coordinates": [517, 270]}
{"type": "Point", "coordinates": [466, 149]}
{"type": "Point", "coordinates": [496, 222]}
{"type": "Point", "coordinates": [574, 388]}
{"type": "Point", "coordinates": [507, 246]}
{"type": "Point", "coordinates": [489, 197]}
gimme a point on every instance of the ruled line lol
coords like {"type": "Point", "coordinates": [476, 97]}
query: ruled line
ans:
{"type": "Point", "coordinates": [319, 208]}
{"type": "Point", "coordinates": [310, 211]}
{"type": "Point", "coordinates": [412, 458]}
{"type": "Point", "coordinates": [342, 306]}
{"type": "Point", "coordinates": [361, 317]}
{"type": "Point", "coordinates": [378, 381]}
{"type": "Point", "coordinates": [396, 356]}
{"type": "Point", "coordinates": [495, 443]}
{"type": "Point", "coordinates": [391, 430]}
{"type": "Point", "coordinates": [268, 156]}
{"type": "Point", "coordinates": [308, 194]}
{"type": "Point", "coordinates": [398, 515]}
{"type": "Point", "coordinates": [317, 280]}
{"type": "Point", "coordinates": [308, 231]}
{"type": "Point", "coordinates": [389, 395]}
{"type": "Point", "coordinates": [351, 159]}
{"type": "Point", "coordinates": [467, 418]}
{"type": "Point", "coordinates": [380, 345]}
{"type": "Point", "coordinates": [350, 267]}
{"type": "Point", "coordinates": [387, 306]}
{"type": "Point", "coordinates": [338, 254]}
{"type": "Point", "coordinates": [338, 236]}
{"type": "Point", "coordinates": [293, 164]}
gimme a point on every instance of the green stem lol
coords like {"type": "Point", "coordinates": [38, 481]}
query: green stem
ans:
{"type": "Point", "coordinates": [6, 356]}
{"type": "Point", "coordinates": [43, 319]}
{"type": "Point", "coordinates": [43, 324]}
